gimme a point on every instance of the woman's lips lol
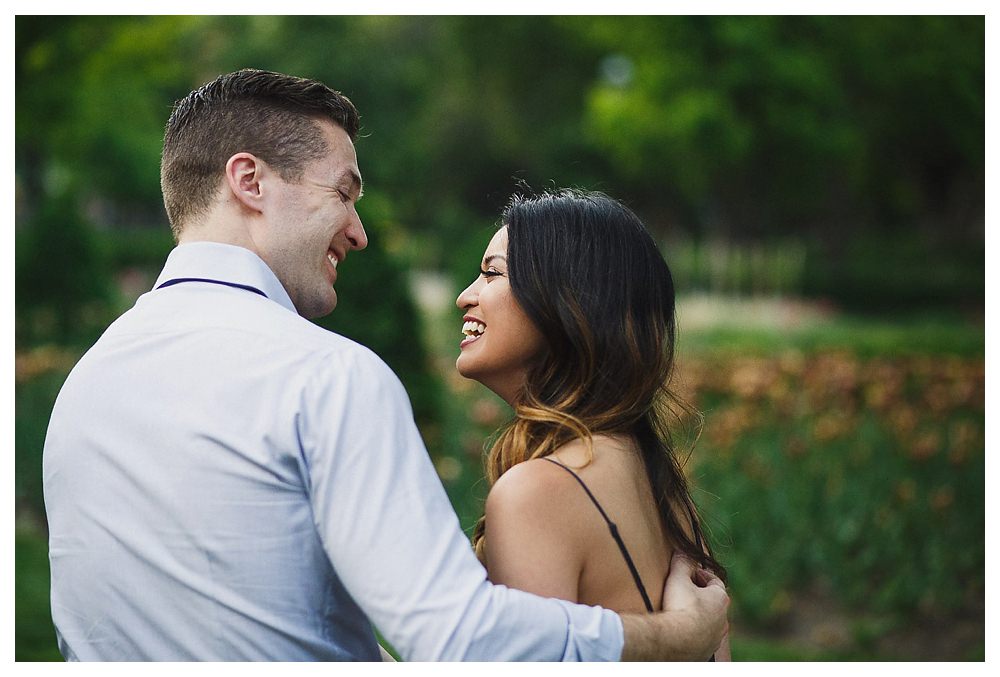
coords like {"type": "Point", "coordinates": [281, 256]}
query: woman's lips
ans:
{"type": "Point", "coordinates": [472, 329]}
{"type": "Point", "coordinates": [469, 339]}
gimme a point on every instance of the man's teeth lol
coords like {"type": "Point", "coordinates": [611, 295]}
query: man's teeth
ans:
{"type": "Point", "coordinates": [473, 328]}
{"type": "Point", "coordinates": [333, 259]}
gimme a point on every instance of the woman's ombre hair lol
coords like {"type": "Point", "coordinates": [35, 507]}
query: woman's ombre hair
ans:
{"type": "Point", "coordinates": [590, 277]}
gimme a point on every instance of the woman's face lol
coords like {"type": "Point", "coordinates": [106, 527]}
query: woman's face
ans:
{"type": "Point", "coordinates": [500, 342]}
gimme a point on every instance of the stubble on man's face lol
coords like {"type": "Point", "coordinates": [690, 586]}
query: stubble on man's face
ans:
{"type": "Point", "coordinates": [311, 226]}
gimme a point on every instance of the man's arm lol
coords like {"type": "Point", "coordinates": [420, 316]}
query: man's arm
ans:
{"type": "Point", "coordinates": [395, 543]}
{"type": "Point", "coordinates": [691, 626]}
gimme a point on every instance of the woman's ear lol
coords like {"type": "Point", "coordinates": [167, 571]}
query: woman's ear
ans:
{"type": "Point", "coordinates": [244, 176]}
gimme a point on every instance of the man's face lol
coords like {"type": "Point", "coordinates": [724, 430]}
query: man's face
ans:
{"type": "Point", "coordinates": [313, 224]}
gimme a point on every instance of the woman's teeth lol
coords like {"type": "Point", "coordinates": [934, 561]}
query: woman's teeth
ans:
{"type": "Point", "coordinates": [473, 328]}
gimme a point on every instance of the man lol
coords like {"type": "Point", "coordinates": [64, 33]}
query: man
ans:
{"type": "Point", "coordinates": [225, 480]}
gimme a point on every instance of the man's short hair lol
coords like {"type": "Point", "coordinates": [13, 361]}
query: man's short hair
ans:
{"type": "Point", "coordinates": [270, 115]}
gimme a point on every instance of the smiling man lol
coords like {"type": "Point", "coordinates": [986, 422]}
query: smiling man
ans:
{"type": "Point", "coordinates": [225, 480]}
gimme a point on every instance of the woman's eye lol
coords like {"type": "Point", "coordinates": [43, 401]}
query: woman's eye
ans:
{"type": "Point", "coordinates": [490, 273]}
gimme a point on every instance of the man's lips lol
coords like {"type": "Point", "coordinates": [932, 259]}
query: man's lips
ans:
{"type": "Point", "coordinates": [334, 258]}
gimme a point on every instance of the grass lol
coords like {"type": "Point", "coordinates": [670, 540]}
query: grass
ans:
{"type": "Point", "coordinates": [711, 325]}
{"type": "Point", "coordinates": [34, 635]}
{"type": "Point", "coordinates": [756, 649]}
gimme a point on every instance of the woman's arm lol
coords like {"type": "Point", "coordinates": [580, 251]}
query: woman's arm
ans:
{"type": "Point", "coordinates": [533, 540]}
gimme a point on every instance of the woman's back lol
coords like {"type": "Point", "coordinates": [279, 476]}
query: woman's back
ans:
{"type": "Point", "coordinates": [544, 533]}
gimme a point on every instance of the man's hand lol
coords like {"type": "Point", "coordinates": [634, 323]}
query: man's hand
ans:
{"type": "Point", "coordinates": [692, 624]}
{"type": "Point", "coordinates": [723, 653]}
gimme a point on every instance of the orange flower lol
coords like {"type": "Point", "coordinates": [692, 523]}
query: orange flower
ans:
{"type": "Point", "coordinates": [903, 420]}
{"type": "Point", "coordinates": [964, 437]}
{"type": "Point", "coordinates": [751, 378]}
{"type": "Point", "coordinates": [877, 395]}
{"type": "Point", "coordinates": [937, 398]}
{"type": "Point", "coordinates": [792, 362]}
{"type": "Point", "coordinates": [831, 426]}
{"type": "Point", "coordinates": [926, 445]}
{"type": "Point", "coordinates": [942, 498]}
{"type": "Point", "coordinates": [42, 360]}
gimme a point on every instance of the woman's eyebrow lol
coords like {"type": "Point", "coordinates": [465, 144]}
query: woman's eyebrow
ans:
{"type": "Point", "coordinates": [492, 257]}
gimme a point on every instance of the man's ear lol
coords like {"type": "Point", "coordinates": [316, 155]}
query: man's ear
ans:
{"type": "Point", "coordinates": [244, 177]}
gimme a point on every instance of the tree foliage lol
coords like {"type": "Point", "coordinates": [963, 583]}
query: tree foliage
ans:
{"type": "Point", "coordinates": [746, 129]}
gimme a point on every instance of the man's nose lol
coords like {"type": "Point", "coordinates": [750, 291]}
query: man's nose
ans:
{"type": "Point", "coordinates": [357, 235]}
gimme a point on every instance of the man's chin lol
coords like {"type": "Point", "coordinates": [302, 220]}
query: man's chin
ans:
{"type": "Point", "coordinates": [319, 308]}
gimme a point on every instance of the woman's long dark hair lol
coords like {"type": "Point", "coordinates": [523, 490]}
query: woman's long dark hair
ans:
{"type": "Point", "coordinates": [590, 277]}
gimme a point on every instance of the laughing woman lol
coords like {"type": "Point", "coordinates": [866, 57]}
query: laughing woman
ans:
{"type": "Point", "coordinates": [571, 321]}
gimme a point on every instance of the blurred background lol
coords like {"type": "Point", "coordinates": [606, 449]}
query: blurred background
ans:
{"type": "Point", "coordinates": [817, 187]}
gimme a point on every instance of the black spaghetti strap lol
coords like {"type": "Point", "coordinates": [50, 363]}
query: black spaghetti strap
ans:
{"type": "Point", "coordinates": [614, 534]}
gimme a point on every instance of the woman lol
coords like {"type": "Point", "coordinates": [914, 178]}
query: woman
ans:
{"type": "Point", "coordinates": [571, 321]}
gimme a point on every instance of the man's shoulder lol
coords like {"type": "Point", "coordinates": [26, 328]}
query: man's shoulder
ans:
{"type": "Point", "coordinates": [248, 327]}
{"type": "Point", "coordinates": [321, 343]}
{"type": "Point", "coordinates": [327, 351]}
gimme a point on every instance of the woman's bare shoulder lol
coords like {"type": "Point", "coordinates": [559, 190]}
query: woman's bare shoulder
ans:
{"type": "Point", "coordinates": [534, 540]}
{"type": "Point", "coordinates": [602, 456]}
{"type": "Point", "coordinates": [540, 487]}
{"type": "Point", "coordinates": [530, 486]}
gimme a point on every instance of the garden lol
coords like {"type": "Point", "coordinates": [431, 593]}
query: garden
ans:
{"type": "Point", "coordinates": [816, 185]}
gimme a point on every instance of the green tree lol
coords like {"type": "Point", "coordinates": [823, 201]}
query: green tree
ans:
{"type": "Point", "coordinates": [63, 287]}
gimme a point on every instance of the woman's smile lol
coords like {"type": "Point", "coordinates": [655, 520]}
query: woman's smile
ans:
{"type": "Point", "coordinates": [472, 329]}
{"type": "Point", "coordinates": [490, 307]}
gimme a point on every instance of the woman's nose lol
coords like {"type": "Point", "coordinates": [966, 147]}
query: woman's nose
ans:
{"type": "Point", "coordinates": [468, 297]}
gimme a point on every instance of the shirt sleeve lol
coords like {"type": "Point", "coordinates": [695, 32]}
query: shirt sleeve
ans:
{"type": "Point", "coordinates": [395, 541]}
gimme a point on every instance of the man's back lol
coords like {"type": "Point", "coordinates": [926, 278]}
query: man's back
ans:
{"type": "Point", "coordinates": [177, 497]}
{"type": "Point", "coordinates": [226, 481]}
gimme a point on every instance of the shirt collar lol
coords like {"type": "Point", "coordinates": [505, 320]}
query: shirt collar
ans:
{"type": "Point", "coordinates": [226, 263]}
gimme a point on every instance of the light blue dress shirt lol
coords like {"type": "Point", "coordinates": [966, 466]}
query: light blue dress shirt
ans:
{"type": "Point", "coordinates": [225, 480]}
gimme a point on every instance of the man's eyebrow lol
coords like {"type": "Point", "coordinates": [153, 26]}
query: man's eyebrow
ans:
{"type": "Point", "coordinates": [489, 259]}
{"type": "Point", "coordinates": [356, 183]}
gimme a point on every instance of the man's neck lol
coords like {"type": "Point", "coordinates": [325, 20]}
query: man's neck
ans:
{"type": "Point", "coordinates": [217, 230]}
